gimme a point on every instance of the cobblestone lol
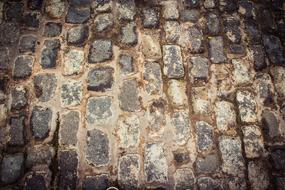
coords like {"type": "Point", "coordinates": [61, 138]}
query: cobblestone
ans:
{"type": "Point", "coordinates": [138, 94]}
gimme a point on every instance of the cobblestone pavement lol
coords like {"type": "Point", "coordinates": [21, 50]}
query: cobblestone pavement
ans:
{"type": "Point", "coordinates": [142, 94]}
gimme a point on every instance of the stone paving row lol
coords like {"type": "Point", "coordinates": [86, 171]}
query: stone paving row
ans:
{"type": "Point", "coordinates": [186, 94]}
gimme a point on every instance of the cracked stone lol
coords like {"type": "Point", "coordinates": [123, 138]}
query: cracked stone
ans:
{"type": "Point", "coordinates": [77, 15]}
{"type": "Point", "coordinates": [177, 93]}
{"type": "Point", "coordinates": [173, 63]}
{"type": "Point", "coordinates": [150, 18]}
{"type": "Point", "coordinates": [97, 152]}
{"type": "Point", "coordinates": [73, 61]}
{"type": "Point", "coordinates": [225, 116]}
{"type": "Point", "coordinates": [129, 34]}
{"type": "Point", "coordinates": [205, 137]}
{"type": "Point", "coordinates": [277, 159]}
{"type": "Point", "coordinates": [170, 10]}
{"type": "Point", "coordinates": [128, 131]}
{"type": "Point", "coordinates": [155, 164]}
{"type": "Point", "coordinates": [274, 49]}
{"type": "Point", "coordinates": [19, 98]}
{"type": "Point", "coordinates": [153, 78]}
{"type": "Point", "coordinates": [17, 126]}
{"type": "Point", "coordinates": [191, 15]}
{"type": "Point", "coordinates": [231, 151]}
{"type": "Point", "coordinates": [205, 183]}
{"type": "Point", "coordinates": [38, 180]}
{"type": "Point", "coordinates": [99, 110]}
{"type": "Point", "coordinates": [278, 75]}
{"type": "Point", "coordinates": [71, 93]}
{"type": "Point", "coordinates": [253, 141]}
{"type": "Point", "coordinates": [99, 182]}
{"type": "Point", "coordinates": [52, 29]}
{"type": "Point", "coordinates": [151, 46]}
{"type": "Point", "coordinates": [208, 164]}
{"type": "Point", "coordinates": [126, 9]}
{"type": "Point", "coordinates": [213, 24]}
{"type": "Point", "coordinates": [200, 101]}
{"type": "Point", "coordinates": [50, 53]}
{"type": "Point", "coordinates": [128, 171]}
{"type": "Point", "coordinates": [100, 79]}
{"type": "Point", "coordinates": [129, 99]}
{"type": "Point", "coordinates": [69, 125]}
{"type": "Point", "coordinates": [39, 155]}
{"type": "Point", "coordinates": [45, 86]}
{"type": "Point", "coordinates": [77, 35]}
{"type": "Point", "coordinates": [247, 106]}
{"type": "Point", "coordinates": [35, 4]}
{"type": "Point", "coordinates": [103, 22]}
{"type": "Point", "coordinates": [156, 116]}
{"type": "Point", "coordinates": [217, 54]}
{"type": "Point", "coordinates": [126, 64]}
{"type": "Point", "coordinates": [181, 156]}
{"type": "Point", "coordinates": [28, 43]}
{"type": "Point", "coordinates": [199, 69]}
{"type": "Point", "coordinates": [12, 167]}
{"type": "Point", "coordinates": [100, 51]}
{"type": "Point", "coordinates": [4, 58]}
{"type": "Point", "coordinates": [181, 125]}
{"type": "Point", "coordinates": [9, 33]}
{"type": "Point", "coordinates": [271, 125]}
{"type": "Point", "coordinates": [184, 179]}
{"type": "Point", "coordinates": [258, 175]}
{"type": "Point", "coordinates": [258, 57]}
{"type": "Point", "coordinates": [242, 74]}
{"type": "Point", "coordinates": [67, 162]}
{"type": "Point", "coordinates": [246, 8]}
{"type": "Point", "coordinates": [41, 121]}
{"type": "Point", "coordinates": [23, 66]}
{"type": "Point", "coordinates": [55, 8]}
{"type": "Point", "coordinates": [232, 30]}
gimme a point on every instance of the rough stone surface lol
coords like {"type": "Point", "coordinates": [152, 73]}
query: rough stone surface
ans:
{"type": "Point", "coordinates": [68, 128]}
{"type": "Point", "coordinates": [277, 159]}
{"type": "Point", "coordinates": [170, 11]}
{"type": "Point", "coordinates": [205, 136]}
{"type": "Point", "coordinates": [19, 98]}
{"type": "Point", "coordinates": [103, 22]}
{"type": "Point", "coordinates": [258, 175]}
{"type": "Point", "coordinates": [126, 9]}
{"type": "Point", "coordinates": [172, 60]}
{"type": "Point", "coordinates": [45, 86]}
{"type": "Point", "coordinates": [99, 110]}
{"type": "Point", "coordinates": [150, 18]}
{"type": "Point", "coordinates": [151, 47]}
{"type": "Point", "coordinates": [200, 69]}
{"type": "Point", "coordinates": [278, 75]}
{"type": "Point", "coordinates": [100, 182]}
{"type": "Point", "coordinates": [253, 141]}
{"type": "Point", "coordinates": [128, 97]}
{"type": "Point", "coordinates": [12, 167]}
{"type": "Point", "coordinates": [177, 93]}
{"type": "Point", "coordinates": [153, 78]}
{"type": "Point", "coordinates": [28, 43]}
{"type": "Point", "coordinates": [100, 79]}
{"type": "Point", "coordinates": [71, 93]}
{"type": "Point", "coordinates": [225, 116]}
{"type": "Point", "coordinates": [126, 63]}
{"type": "Point", "coordinates": [274, 49]}
{"type": "Point", "coordinates": [52, 29]}
{"type": "Point", "coordinates": [184, 179]}
{"type": "Point", "coordinates": [216, 50]}
{"type": "Point", "coordinates": [55, 8]}
{"type": "Point", "coordinates": [50, 53]}
{"type": "Point", "coordinates": [77, 15]}
{"type": "Point", "coordinates": [155, 165]}
{"type": "Point", "coordinates": [39, 154]}
{"type": "Point", "coordinates": [128, 34]}
{"type": "Point", "coordinates": [100, 51]}
{"type": "Point", "coordinates": [23, 67]}
{"type": "Point", "coordinates": [208, 164]}
{"type": "Point", "coordinates": [17, 136]}
{"type": "Point", "coordinates": [246, 106]}
{"type": "Point", "coordinates": [181, 125]}
{"type": "Point", "coordinates": [97, 152]}
{"type": "Point", "coordinates": [77, 35]}
{"type": "Point", "coordinates": [73, 62]}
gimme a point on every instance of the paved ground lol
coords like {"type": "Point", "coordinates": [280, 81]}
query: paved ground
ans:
{"type": "Point", "coordinates": [142, 95]}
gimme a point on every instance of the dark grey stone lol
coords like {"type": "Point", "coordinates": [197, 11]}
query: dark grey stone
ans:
{"type": "Point", "coordinates": [35, 4]}
{"type": "Point", "coordinates": [270, 124]}
{"type": "Point", "coordinates": [52, 29]}
{"type": "Point", "coordinates": [126, 64]}
{"type": "Point", "coordinates": [68, 128]}
{"type": "Point", "coordinates": [41, 121]}
{"type": "Point", "coordinates": [45, 86]}
{"type": "Point", "coordinates": [258, 57]}
{"type": "Point", "coordinates": [28, 43]}
{"type": "Point", "coordinates": [100, 51]}
{"type": "Point", "coordinates": [228, 6]}
{"type": "Point", "coordinates": [253, 34]}
{"type": "Point", "coordinates": [39, 155]}
{"type": "Point", "coordinates": [32, 19]}
{"type": "Point", "coordinates": [19, 98]}
{"type": "Point", "coordinates": [50, 53]}
{"type": "Point", "coordinates": [173, 63]}
{"type": "Point", "coordinates": [205, 137]}
{"type": "Point", "coordinates": [36, 181]}
{"type": "Point", "coordinates": [128, 172]}
{"type": "Point", "coordinates": [266, 17]}
{"type": "Point", "coordinates": [200, 68]}
{"type": "Point", "coordinates": [277, 158]}
{"type": "Point", "coordinates": [207, 164]}
{"type": "Point", "coordinates": [4, 58]}
{"type": "Point", "coordinates": [67, 162]}
{"type": "Point", "coordinates": [232, 30]}
{"type": "Point", "coordinates": [274, 49]}
{"type": "Point", "coordinates": [184, 179]}
{"type": "Point", "coordinates": [12, 168]}
{"type": "Point", "coordinates": [153, 76]}
{"type": "Point", "coordinates": [192, 3]}
{"type": "Point", "coordinates": [248, 8]}
{"type": "Point", "coordinates": [207, 183]}
{"type": "Point", "coordinates": [78, 35]}
{"type": "Point", "coordinates": [80, 2]}
{"type": "Point", "coordinates": [97, 152]}
{"type": "Point", "coordinates": [23, 66]}
{"type": "Point", "coordinates": [103, 22]}
{"type": "Point", "coordinates": [98, 182]}
{"type": "Point", "coordinates": [150, 18]}
{"type": "Point", "coordinates": [181, 156]}
{"type": "Point", "coordinates": [236, 49]}
{"type": "Point", "coordinates": [129, 34]}
{"type": "Point", "coordinates": [77, 15]}
{"type": "Point", "coordinates": [128, 97]}
{"type": "Point", "coordinates": [217, 54]}
{"type": "Point", "coordinates": [100, 79]}
{"type": "Point", "coordinates": [17, 127]}
{"type": "Point", "coordinates": [14, 11]}
{"type": "Point", "coordinates": [190, 15]}
{"type": "Point", "coordinates": [9, 33]}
